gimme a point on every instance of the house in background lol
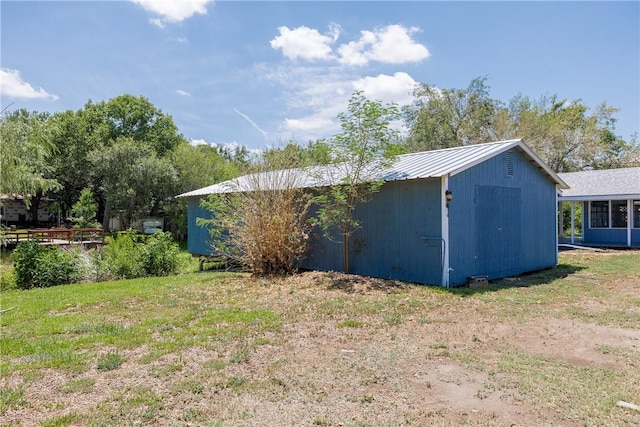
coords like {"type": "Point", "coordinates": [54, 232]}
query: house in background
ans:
{"type": "Point", "coordinates": [13, 211]}
{"type": "Point", "coordinates": [441, 217]}
{"type": "Point", "coordinates": [610, 201]}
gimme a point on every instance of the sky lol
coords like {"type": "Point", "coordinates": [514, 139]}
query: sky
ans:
{"type": "Point", "coordinates": [260, 74]}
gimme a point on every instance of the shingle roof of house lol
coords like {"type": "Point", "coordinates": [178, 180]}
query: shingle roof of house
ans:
{"type": "Point", "coordinates": [623, 183]}
{"type": "Point", "coordinates": [427, 164]}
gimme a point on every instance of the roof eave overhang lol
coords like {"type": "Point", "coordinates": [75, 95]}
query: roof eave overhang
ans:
{"type": "Point", "coordinates": [598, 197]}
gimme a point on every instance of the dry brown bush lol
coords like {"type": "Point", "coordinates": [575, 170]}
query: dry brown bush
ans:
{"type": "Point", "coordinates": [262, 221]}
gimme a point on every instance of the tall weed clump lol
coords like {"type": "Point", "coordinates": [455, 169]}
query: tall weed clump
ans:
{"type": "Point", "coordinates": [36, 266]}
{"type": "Point", "coordinates": [160, 255]}
{"type": "Point", "coordinates": [128, 255]}
{"type": "Point", "coordinates": [263, 225]}
{"type": "Point", "coordinates": [122, 255]}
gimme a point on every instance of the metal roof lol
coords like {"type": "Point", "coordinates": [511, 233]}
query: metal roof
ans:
{"type": "Point", "coordinates": [427, 164]}
{"type": "Point", "coordinates": [623, 183]}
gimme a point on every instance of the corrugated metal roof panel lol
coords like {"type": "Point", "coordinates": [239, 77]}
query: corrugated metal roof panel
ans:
{"type": "Point", "coordinates": [602, 183]}
{"type": "Point", "coordinates": [437, 163]}
{"type": "Point", "coordinates": [427, 164]}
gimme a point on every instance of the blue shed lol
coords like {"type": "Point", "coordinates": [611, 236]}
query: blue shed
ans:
{"type": "Point", "coordinates": [610, 201]}
{"type": "Point", "coordinates": [441, 217]}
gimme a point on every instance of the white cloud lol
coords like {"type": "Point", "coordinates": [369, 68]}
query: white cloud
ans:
{"type": "Point", "coordinates": [195, 142]}
{"type": "Point", "coordinates": [183, 93]}
{"type": "Point", "coordinates": [12, 85]}
{"type": "Point", "coordinates": [397, 88]}
{"type": "Point", "coordinates": [316, 94]}
{"type": "Point", "coordinates": [392, 45]}
{"type": "Point", "coordinates": [306, 43]}
{"type": "Point", "coordinates": [157, 22]}
{"type": "Point", "coordinates": [311, 127]}
{"type": "Point", "coordinates": [173, 10]}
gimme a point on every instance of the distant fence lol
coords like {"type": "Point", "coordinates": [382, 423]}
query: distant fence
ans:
{"type": "Point", "coordinates": [53, 236]}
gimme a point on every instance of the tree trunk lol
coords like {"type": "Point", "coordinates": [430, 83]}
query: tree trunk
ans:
{"type": "Point", "coordinates": [346, 232]}
{"type": "Point", "coordinates": [107, 216]}
{"type": "Point", "coordinates": [34, 206]}
{"type": "Point", "coordinates": [345, 253]}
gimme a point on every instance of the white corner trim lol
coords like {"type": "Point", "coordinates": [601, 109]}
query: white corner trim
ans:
{"type": "Point", "coordinates": [444, 186]}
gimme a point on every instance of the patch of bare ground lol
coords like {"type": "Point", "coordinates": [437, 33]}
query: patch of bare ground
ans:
{"type": "Point", "coordinates": [351, 351]}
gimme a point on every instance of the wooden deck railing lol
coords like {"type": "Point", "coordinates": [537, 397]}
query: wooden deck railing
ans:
{"type": "Point", "coordinates": [56, 235]}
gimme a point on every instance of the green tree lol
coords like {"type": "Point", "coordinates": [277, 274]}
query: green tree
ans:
{"type": "Point", "coordinates": [97, 127]}
{"type": "Point", "coordinates": [294, 155]}
{"type": "Point", "coordinates": [84, 210]}
{"type": "Point", "coordinates": [565, 134]}
{"type": "Point", "coordinates": [133, 117]}
{"type": "Point", "coordinates": [134, 181]}
{"type": "Point", "coordinates": [200, 166]}
{"type": "Point", "coordinates": [365, 147]}
{"type": "Point", "coordinates": [69, 162]}
{"type": "Point", "coordinates": [444, 118]}
{"type": "Point", "coordinates": [25, 146]}
{"type": "Point", "coordinates": [196, 166]}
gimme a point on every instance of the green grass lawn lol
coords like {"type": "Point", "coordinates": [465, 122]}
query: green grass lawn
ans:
{"type": "Point", "coordinates": [246, 334]}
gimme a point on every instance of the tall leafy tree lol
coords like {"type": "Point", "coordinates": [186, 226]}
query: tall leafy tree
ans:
{"type": "Point", "coordinates": [97, 127]}
{"type": "Point", "coordinates": [365, 147]}
{"type": "Point", "coordinates": [134, 180]}
{"type": "Point", "coordinates": [70, 163]}
{"type": "Point", "coordinates": [196, 167]}
{"type": "Point", "coordinates": [133, 117]}
{"type": "Point", "coordinates": [25, 146]}
{"type": "Point", "coordinates": [293, 155]}
{"type": "Point", "coordinates": [566, 134]}
{"type": "Point", "coordinates": [444, 118]}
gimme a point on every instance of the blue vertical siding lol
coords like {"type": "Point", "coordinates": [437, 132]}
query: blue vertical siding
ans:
{"type": "Point", "coordinates": [606, 236]}
{"type": "Point", "coordinates": [197, 237]}
{"type": "Point", "coordinates": [391, 242]}
{"type": "Point", "coordinates": [502, 219]}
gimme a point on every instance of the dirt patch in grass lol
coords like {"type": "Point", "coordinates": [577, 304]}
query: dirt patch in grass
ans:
{"type": "Point", "coordinates": [353, 351]}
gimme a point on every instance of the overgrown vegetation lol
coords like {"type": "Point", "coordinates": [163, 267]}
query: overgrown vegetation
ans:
{"type": "Point", "coordinates": [138, 160]}
{"type": "Point", "coordinates": [262, 223]}
{"type": "Point", "coordinates": [39, 266]}
{"type": "Point", "coordinates": [129, 255]}
{"type": "Point", "coordinates": [126, 255]}
{"type": "Point", "coordinates": [555, 347]}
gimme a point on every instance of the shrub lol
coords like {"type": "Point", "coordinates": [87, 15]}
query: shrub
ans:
{"type": "Point", "coordinates": [123, 256]}
{"type": "Point", "coordinates": [37, 266]}
{"type": "Point", "coordinates": [127, 257]}
{"type": "Point", "coordinates": [96, 268]}
{"type": "Point", "coordinates": [24, 258]}
{"type": "Point", "coordinates": [263, 225]}
{"type": "Point", "coordinates": [57, 267]}
{"type": "Point", "coordinates": [160, 255]}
